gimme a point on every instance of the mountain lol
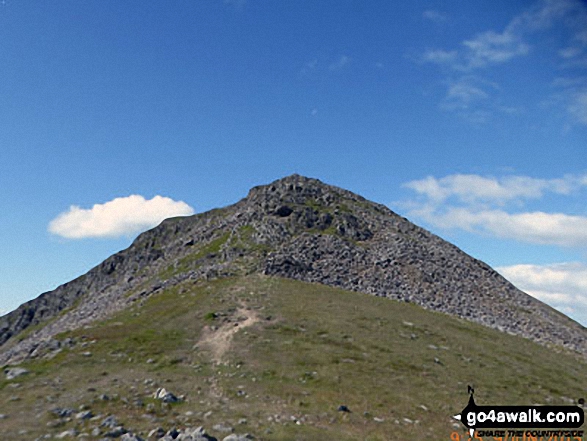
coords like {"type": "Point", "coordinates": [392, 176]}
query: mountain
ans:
{"type": "Point", "coordinates": [301, 312]}
{"type": "Point", "coordinates": [303, 229]}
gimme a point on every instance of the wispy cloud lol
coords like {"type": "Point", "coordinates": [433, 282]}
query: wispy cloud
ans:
{"type": "Point", "coordinates": [578, 106]}
{"type": "Point", "coordinates": [119, 217]}
{"type": "Point", "coordinates": [329, 66]}
{"type": "Point", "coordinates": [236, 4]}
{"type": "Point", "coordinates": [570, 52]}
{"type": "Point", "coordinates": [497, 47]}
{"type": "Point", "coordinates": [309, 66]}
{"type": "Point", "coordinates": [571, 92]}
{"type": "Point", "coordinates": [477, 204]}
{"type": "Point", "coordinates": [440, 56]}
{"type": "Point", "coordinates": [468, 93]}
{"type": "Point", "coordinates": [543, 14]}
{"type": "Point", "coordinates": [340, 63]}
{"type": "Point", "coordinates": [483, 50]}
{"type": "Point", "coordinates": [531, 227]}
{"type": "Point", "coordinates": [492, 48]}
{"type": "Point", "coordinates": [471, 188]}
{"type": "Point", "coordinates": [581, 37]}
{"type": "Point", "coordinates": [494, 207]}
{"type": "Point", "coordinates": [463, 93]}
{"type": "Point", "coordinates": [561, 285]}
{"type": "Point", "coordinates": [435, 16]}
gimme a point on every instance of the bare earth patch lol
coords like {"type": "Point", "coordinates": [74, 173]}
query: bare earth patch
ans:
{"type": "Point", "coordinates": [218, 340]}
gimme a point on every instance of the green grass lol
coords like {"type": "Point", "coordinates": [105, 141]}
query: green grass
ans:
{"type": "Point", "coordinates": [34, 328]}
{"type": "Point", "coordinates": [191, 260]}
{"type": "Point", "coordinates": [313, 349]}
{"type": "Point", "coordinates": [240, 241]}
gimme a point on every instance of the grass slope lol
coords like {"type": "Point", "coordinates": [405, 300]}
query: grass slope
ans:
{"type": "Point", "coordinates": [401, 370]}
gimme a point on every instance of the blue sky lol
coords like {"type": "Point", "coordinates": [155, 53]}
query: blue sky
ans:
{"type": "Point", "coordinates": [469, 118]}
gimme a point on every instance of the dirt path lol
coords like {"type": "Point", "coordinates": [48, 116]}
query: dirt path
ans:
{"type": "Point", "coordinates": [218, 341]}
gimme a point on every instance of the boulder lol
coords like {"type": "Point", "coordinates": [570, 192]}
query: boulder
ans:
{"type": "Point", "coordinates": [235, 437]}
{"type": "Point", "coordinates": [12, 373]}
{"type": "Point", "coordinates": [130, 437]}
{"type": "Point", "coordinates": [165, 396]}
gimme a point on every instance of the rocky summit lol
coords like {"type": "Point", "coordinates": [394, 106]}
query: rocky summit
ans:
{"type": "Point", "coordinates": [297, 228]}
{"type": "Point", "coordinates": [301, 312]}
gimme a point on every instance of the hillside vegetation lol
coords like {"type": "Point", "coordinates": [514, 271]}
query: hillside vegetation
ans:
{"type": "Point", "coordinates": [297, 228]}
{"type": "Point", "coordinates": [276, 358]}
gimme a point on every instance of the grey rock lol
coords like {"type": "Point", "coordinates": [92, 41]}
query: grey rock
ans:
{"type": "Point", "coordinates": [12, 373]}
{"type": "Point", "coordinates": [235, 437]}
{"type": "Point", "coordinates": [222, 427]}
{"type": "Point", "coordinates": [303, 229]}
{"type": "Point", "coordinates": [157, 433]}
{"type": "Point", "coordinates": [205, 437]}
{"type": "Point", "coordinates": [130, 437]}
{"type": "Point", "coordinates": [116, 432]}
{"type": "Point", "coordinates": [165, 396]}
{"type": "Point", "coordinates": [62, 412]}
{"type": "Point", "coordinates": [170, 398]}
{"type": "Point", "coordinates": [173, 433]}
{"type": "Point", "coordinates": [110, 422]}
{"type": "Point", "coordinates": [84, 415]}
{"type": "Point", "coordinates": [197, 434]}
{"type": "Point", "coordinates": [71, 433]}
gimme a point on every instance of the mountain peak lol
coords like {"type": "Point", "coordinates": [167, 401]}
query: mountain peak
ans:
{"type": "Point", "coordinates": [297, 228]}
{"type": "Point", "coordinates": [296, 188]}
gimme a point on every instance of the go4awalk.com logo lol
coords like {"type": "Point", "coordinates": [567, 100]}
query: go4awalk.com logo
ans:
{"type": "Point", "coordinates": [520, 423]}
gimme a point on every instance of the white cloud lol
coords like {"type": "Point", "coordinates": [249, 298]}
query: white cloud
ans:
{"type": "Point", "coordinates": [237, 4]}
{"type": "Point", "coordinates": [119, 217]}
{"type": "Point", "coordinates": [474, 188]}
{"type": "Point", "coordinates": [562, 285]}
{"type": "Point", "coordinates": [578, 106]}
{"type": "Point", "coordinates": [467, 202]}
{"type": "Point", "coordinates": [532, 227]}
{"type": "Point", "coordinates": [435, 16]}
{"type": "Point", "coordinates": [469, 96]}
{"type": "Point", "coordinates": [499, 46]}
{"type": "Point", "coordinates": [462, 94]}
{"type": "Point", "coordinates": [476, 204]}
{"type": "Point", "coordinates": [465, 92]}
{"type": "Point", "coordinates": [340, 63]}
{"type": "Point", "coordinates": [572, 92]}
{"type": "Point", "coordinates": [511, 110]}
{"type": "Point", "coordinates": [440, 56]}
{"type": "Point", "coordinates": [581, 37]}
{"type": "Point", "coordinates": [493, 48]}
{"type": "Point", "coordinates": [544, 14]}
{"type": "Point", "coordinates": [570, 52]}
{"type": "Point", "coordinates": [309, 66]}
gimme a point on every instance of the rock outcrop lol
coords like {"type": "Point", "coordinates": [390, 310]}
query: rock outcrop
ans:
{"type": "Point", "coordinates": [298, 228]}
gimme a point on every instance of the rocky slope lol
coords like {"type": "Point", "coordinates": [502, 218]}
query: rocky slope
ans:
{"type": "Point", "coordinates": [297, 228]}
{"type": "Point", "coordinates": [279, 359]}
